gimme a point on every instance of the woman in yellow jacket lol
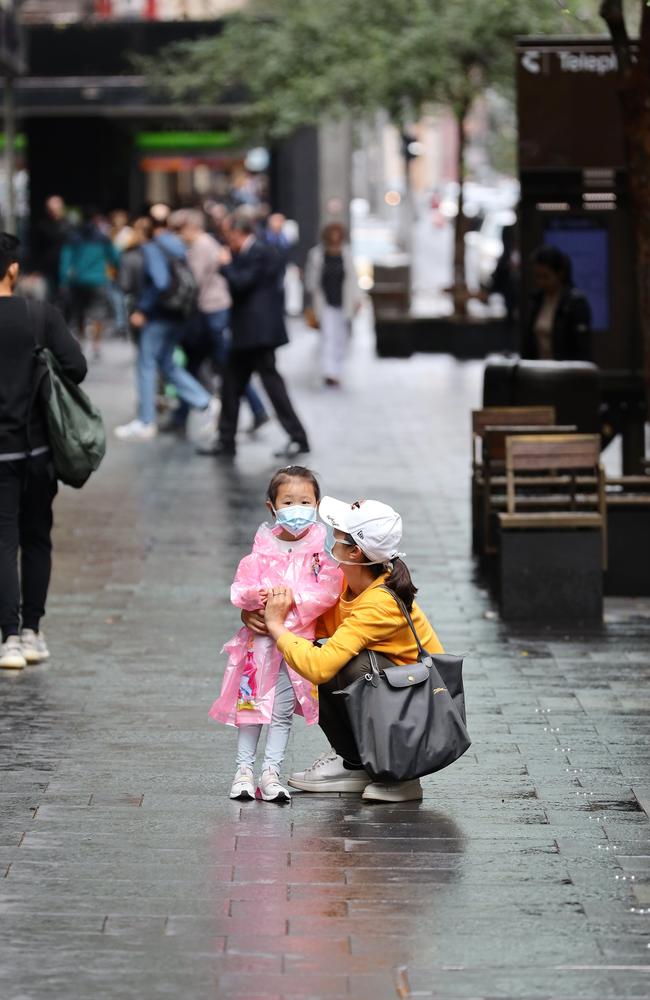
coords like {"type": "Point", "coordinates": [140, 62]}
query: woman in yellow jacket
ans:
{"type": "Point", "coordinates": [364, 539]}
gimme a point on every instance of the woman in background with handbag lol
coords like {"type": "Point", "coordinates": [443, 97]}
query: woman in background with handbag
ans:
{"type": "Point", "coordinates": [363, 538]}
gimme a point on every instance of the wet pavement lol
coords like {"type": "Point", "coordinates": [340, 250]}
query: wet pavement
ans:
{"type": "Point", "coordinates": [128, 873]}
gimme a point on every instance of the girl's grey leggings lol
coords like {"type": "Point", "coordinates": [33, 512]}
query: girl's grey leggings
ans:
{"type": "Point", "coordinates": [278, 729]}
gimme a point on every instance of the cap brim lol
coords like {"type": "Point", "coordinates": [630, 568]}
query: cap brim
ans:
{"type": "Point", "coordinates": [335, 512]}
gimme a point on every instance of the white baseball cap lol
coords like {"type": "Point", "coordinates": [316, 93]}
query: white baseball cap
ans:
{"type": "Point", "coordinates": [375, 527]}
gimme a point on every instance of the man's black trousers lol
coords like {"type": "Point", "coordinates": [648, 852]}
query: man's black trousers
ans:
{"type": "Point", "coordinates": [27, 488]}
{"type": "Point", "coordinates": [241, 365]}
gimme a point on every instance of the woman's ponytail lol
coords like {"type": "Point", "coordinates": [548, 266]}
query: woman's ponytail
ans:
{"type": "Point", "coordinates": [399, 581]}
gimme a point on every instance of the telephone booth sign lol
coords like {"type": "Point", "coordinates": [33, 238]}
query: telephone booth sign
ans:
{"type": "Point", "coordinates": [573, 181]}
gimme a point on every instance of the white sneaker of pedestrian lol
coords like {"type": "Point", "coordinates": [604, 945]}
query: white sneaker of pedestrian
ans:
{"type": "Point", "coordinates": [136, 431]}
{"type": "Point", "coordinates": [11, 654]}
{"type": "Point", "coordinates": [270, 788]}
{"type": "Point", "coordinates": [393, 791]}
{"type": "Point", "coordinates": [34, 646]}
{"type": "Point", "coordinates": [202, 424]}
{"type": "Point", "coordinates": [243, 786]}
{"type": "Point", "coordinates": [327, 774]}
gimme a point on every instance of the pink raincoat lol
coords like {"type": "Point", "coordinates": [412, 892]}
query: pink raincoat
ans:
{"type": "Point", "coordinates": [251, 673]}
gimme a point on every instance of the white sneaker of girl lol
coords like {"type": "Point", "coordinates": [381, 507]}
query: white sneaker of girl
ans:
{"type": "Point", "coordinates": [34, 646]}
{"type": "Point", "coordinates": [243, 786]}
{"type": "Point", "coordinates": [270, 788]}
{"type": "Point", "coordinates": [11, 654]}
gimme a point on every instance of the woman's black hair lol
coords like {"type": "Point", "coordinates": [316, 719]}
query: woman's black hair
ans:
{"type": "Point", "coordinates": [9, 247]}
{"type": "Point", "coordinates": [283, 476]}
{"type": "Point", "coordinates": [398, 579]}
{"type": "Point", "coordinates": [556, 261]}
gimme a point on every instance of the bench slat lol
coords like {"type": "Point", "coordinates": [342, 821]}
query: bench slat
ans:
{"type": "Point", "coordinates": [510, 415]}
{"type": "Point", "coordinates": [540, 451]}
{"type": "Point", "coordinates": [550, 520]}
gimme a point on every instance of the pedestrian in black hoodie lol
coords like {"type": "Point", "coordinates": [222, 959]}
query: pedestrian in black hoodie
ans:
{"type": "Point", "coordinates": [27, 481]}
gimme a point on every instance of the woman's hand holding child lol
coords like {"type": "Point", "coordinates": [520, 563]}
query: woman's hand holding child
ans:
{"type": "Point", "coordinates": [278, 606]}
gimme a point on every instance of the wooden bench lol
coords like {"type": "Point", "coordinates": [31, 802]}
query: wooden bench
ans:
{"type": "Point", "coordinates": [501, 416]}
{"type": "Point", "coordinates": [537, 491]}
{"type": "Point", "coordinates": [493, 478]}
{"type": "Point", "coordinates": [551, 561]}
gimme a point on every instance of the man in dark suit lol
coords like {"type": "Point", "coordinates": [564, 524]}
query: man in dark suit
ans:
{"type": "Point", "coordinates": [252, 270]}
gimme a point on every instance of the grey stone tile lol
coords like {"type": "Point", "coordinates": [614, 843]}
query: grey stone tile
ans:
{"type": "Point", "coordinates": [129, 874]}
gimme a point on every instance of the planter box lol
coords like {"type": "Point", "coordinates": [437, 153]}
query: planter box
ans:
{"type": "Point", "coordinates": [401, 336]}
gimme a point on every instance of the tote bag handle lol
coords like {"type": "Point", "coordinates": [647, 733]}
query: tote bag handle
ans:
{"type": "Point", "coordinates": [405, 611]}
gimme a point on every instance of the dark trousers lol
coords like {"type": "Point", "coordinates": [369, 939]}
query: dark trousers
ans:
{"type": "Point", "coordinates": [333, 715]}
{"type": "Point", "coordinates": [27, 489]}
{"type": "Point", "coordinates": [240, 367]}
{"type": "Point", "coordinates": [209, 339]}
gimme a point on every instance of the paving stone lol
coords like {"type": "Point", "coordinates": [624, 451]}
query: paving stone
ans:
{"type": "Point", "coordinates": [125, 872]}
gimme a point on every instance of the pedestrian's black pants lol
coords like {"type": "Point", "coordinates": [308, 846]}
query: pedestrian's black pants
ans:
{"type": "Point", "coordinates": [333, 715]}
{"type": "Point", "coordinates": [239, 368]}
{"type": "Point", "coordinates": [27, 488]}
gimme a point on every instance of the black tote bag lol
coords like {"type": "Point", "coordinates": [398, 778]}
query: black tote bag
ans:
{"type": "Point", "coordinates": [407, 721]}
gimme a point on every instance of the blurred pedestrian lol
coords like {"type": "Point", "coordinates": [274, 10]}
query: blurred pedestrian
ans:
{"type": "Point", "coordinates": [558, 326]}
{"type": "Point", "coordinates": [88, 266]}
{"type": "Point", "coordinates": [214, 302]}
{"type": "Point", "coordinates": [27, 480]}
{"type": "Point", "coordinates": [121, 234]}
{"type": "Point", "coordinates": [51, 233]}
{"type": "Point", "coordinates": [160, 326]}
{"type": "Point", "coordinates": [505, 280]}
{"type": "Point", "coordinates": [252, 270]}
{"type": "Point", "coordinates": [217, 214]}
{"type": "Point", "coordinates": [274, 233]}
{"type": "Point", "coordinates": [331, 280]}
{"type": "Point", "coordinates": [131, 271]}
{"type": "Point", "coordinates": [121, 231]}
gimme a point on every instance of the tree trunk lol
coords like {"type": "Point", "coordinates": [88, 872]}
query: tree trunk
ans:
{"type": "Point", "coordinates": [634, 91]}
{"type": "Point", "coordinates": [459, 288]}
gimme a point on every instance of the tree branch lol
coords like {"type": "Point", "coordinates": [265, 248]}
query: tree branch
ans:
{"type": "Point", "coordinates": [611, 12]}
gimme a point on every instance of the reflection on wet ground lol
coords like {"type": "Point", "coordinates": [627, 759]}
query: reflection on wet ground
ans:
{"type": "Point", "coordinates": [126, 872]}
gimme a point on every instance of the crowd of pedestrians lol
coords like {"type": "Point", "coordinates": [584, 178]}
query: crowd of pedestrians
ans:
{"type": "Point", "coordinates": [210, 282]}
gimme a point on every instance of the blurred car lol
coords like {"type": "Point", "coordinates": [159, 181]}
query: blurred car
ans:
{"type": "Point", "coordinates": [373, 242]}
{"type": "Point", "coordinates": [484, 246]}
{"type": "Point", "coordinates": [478, 199]}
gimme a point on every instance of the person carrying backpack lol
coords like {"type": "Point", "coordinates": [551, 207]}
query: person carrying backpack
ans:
{"type": "Point", "coordinates": [167, 300]}
{"type": "Point", "coordinates": [28, 482]}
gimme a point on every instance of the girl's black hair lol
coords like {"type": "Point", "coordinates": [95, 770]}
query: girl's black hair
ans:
{"type": "Point", "coordinates": [398, 579]}
{"type": "Point", "coordinates": [283, 476]}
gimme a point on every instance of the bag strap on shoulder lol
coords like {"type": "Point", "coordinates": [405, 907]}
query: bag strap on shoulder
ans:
{"type": "Point", "coordinates": [36, 323]}
{"type": "Point", "coordinates": [405, 611]}
{"type": "Point", "coordinates": [36, 319]}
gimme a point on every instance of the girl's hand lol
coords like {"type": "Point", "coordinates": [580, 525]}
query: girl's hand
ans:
{"type": "Point", "coordinates": [254, 620]}
{"type": "Point", "coordinates": [278, 606]}
{"type": "Point", "coordinates": [264, 596]}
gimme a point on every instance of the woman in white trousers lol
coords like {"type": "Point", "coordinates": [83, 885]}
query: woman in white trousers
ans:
{"type": "Point", "coordinates": [331, 281]}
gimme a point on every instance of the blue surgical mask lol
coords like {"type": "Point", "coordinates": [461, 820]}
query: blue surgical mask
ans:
{"type": "Point", "coordinates": [296, 519]}
{"type": "Point", "coordinates": [331, 541]}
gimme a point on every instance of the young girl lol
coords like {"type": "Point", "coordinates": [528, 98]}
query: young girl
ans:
{"type": "Point", "coordinates": [258, 687]}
